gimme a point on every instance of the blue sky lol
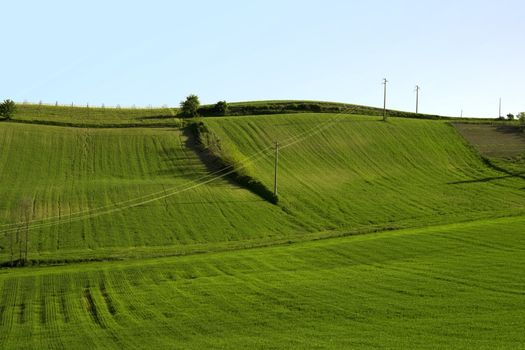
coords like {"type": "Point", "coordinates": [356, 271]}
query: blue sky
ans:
{"type": "Point", "coordinates": [463, 54]}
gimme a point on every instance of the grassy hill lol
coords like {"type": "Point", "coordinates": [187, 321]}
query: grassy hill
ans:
{"type": "Point", "coordinates": [359, 171]}
{"type": "Point", "coordinates": [100, 192]}
{"type": "Point", "coordinates": [393, 235]}
{"type": "Point", "coordinates": [112, 193]}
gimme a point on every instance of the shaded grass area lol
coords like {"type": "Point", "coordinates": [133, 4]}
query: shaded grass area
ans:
{"type": "Point", "coordinates": [501, 145]}
{"type": "Point", "coordinates": [494, 141]}
{"type": "Point", "coordinates": [226, 160]}
{"type": "Point", "coordinates": [452, 286]}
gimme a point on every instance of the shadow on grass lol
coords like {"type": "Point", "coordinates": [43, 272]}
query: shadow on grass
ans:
{"type": "Point", "coordinates": [196, 164]}
{"type": "Point", "coordinates": [488, 179]}
{"type": "Point", "coordinates": [221, 168]}
{"type": "Point", "coordinates": [155, 117]}
{"type": "Point", "coordinates": [220, 202]}
{"type": "Point", "coordinates": [490, 164]}
{"type": "Point", "coordinates": [511, 129]}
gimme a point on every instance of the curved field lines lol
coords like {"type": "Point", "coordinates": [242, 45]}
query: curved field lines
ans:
{"type": "Point", "coordinates": [459, 286]}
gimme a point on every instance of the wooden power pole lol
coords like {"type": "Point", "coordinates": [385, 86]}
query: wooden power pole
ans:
{"type": "Point", "coordinates": [276, 165]}
{"type": "Point", "coordinates": [417, 98]}
{"type": "Point", "coordinates": [384, 99]}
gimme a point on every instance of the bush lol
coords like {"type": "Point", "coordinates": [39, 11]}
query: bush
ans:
{"type": "Point", "coordinates": [521, 118]}
{"type": "Point", "coordinates": [7, 109]}
{"type": "Point", "coordinates": [190, 107]}
{"type": "Point", "coordinates": [221, 108]}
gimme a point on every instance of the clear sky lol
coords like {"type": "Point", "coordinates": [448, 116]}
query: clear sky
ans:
{"type": "Point", "coordinates": [463, 54]}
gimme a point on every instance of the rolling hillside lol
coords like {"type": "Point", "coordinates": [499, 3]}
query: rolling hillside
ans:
{"type": "Point", "coordinates": [102, 191]}
{"type": "Point", "coordinates": [386, 235]}
{"type": "Point", "coordinates": [112, 193]}
{"type": "Point", "coordinates": [359, 171]}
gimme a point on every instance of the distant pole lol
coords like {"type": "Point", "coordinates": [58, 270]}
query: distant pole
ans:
{"type": "Point", "coordinates": [461, 113]}
{"type": "Point", "coordinates": [499, 115]}
{"type": "Point", "coordinates": [276, 167]}
{"type": "Point", "coordinates": [384, 99]}
{"type": "Point", "coordinates": [417, 98]}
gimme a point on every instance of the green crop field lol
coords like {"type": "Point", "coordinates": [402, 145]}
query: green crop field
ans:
{"type": "Point", "coordinates": [454, 286]}
{"type": "Point", "coordinates": [395, 234]}
{"type": "Point", "coordinates": [95, 116]}
{"type": "Point", "coordinates": [114, 192]}
{"type": "Point", "coordinates": [359, 171]}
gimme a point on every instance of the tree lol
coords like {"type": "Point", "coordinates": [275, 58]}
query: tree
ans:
{"type": "Point", "coordinates": [221, 108]}
{"type": "Point", "coordinates": [510, 116]}
{"type": "Point", "coordinates": [190, 107]}
{"type": "Point", "coordinates": [7, 109]}
{"type": "Point", "coordinates": [521, 118]}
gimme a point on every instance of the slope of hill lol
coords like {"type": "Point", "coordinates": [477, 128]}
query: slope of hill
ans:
{"type": "Point", "coordinates": [394, 235]}
{"type": "Point", "coordinates": [100, 192]}
{"type": "Point", "coordinates": [359, 171]}
{"type": "Point", "coordinates": [115, 193]}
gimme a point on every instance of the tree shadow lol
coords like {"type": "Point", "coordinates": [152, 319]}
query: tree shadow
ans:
{"type": "Point", "coordinates": [221, 169]}
{"type": "Point", "coordinates": [219, 201]}
{"type": "Point", "coordinates": [490, 164]}
{"type": "Point", "coordinates": [155, 117]}
{"type": "Point", "coordinates": [488, 179]}
{"type": "Point", "coordinates": [185, 165]}
{"type": "Point", "coordinates": [510, 129]}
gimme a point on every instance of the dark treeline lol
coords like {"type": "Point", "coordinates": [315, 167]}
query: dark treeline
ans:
{"type": "Point", "coordinates": [241, 109]}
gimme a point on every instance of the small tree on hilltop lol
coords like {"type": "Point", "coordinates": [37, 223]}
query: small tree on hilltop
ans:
{"type": "Point", "coordinates": [510, 116]}
{"type": "Point", "coordinates": [521, 118]}
{"type": "Point", "coordinates": [190, 107]}
{"type": "Point", "coordinates": [221, 108]}
{"type": "Point", "coordinates": [7, 109]}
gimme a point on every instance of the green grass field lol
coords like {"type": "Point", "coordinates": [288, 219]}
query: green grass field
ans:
{"type": "Point", "coordinates": [386, 235]}
{"type": "Point", "coordinates": [95, 116]}
{"type": "Point", "coordinates": [114, 192]}
{"type": "Point", "coordinates": [454, 286]}
{"type": "Point", "coordinates": [359, 171]}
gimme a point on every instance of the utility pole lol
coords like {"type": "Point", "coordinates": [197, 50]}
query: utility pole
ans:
{"type": "Point", "coordinates": [499, 115]}
{"type": "Point", "coordinates": [384, 99]}
{"type": "Point", "coordinates": [276, 167]}
{"type": "Point", "coordinates": [417, 98]}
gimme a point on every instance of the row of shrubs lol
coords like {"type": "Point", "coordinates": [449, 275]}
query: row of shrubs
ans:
{"type": "Point", "coordinates": [191, 108]}
{"type": "Point", "coordinates": [229, 160]}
